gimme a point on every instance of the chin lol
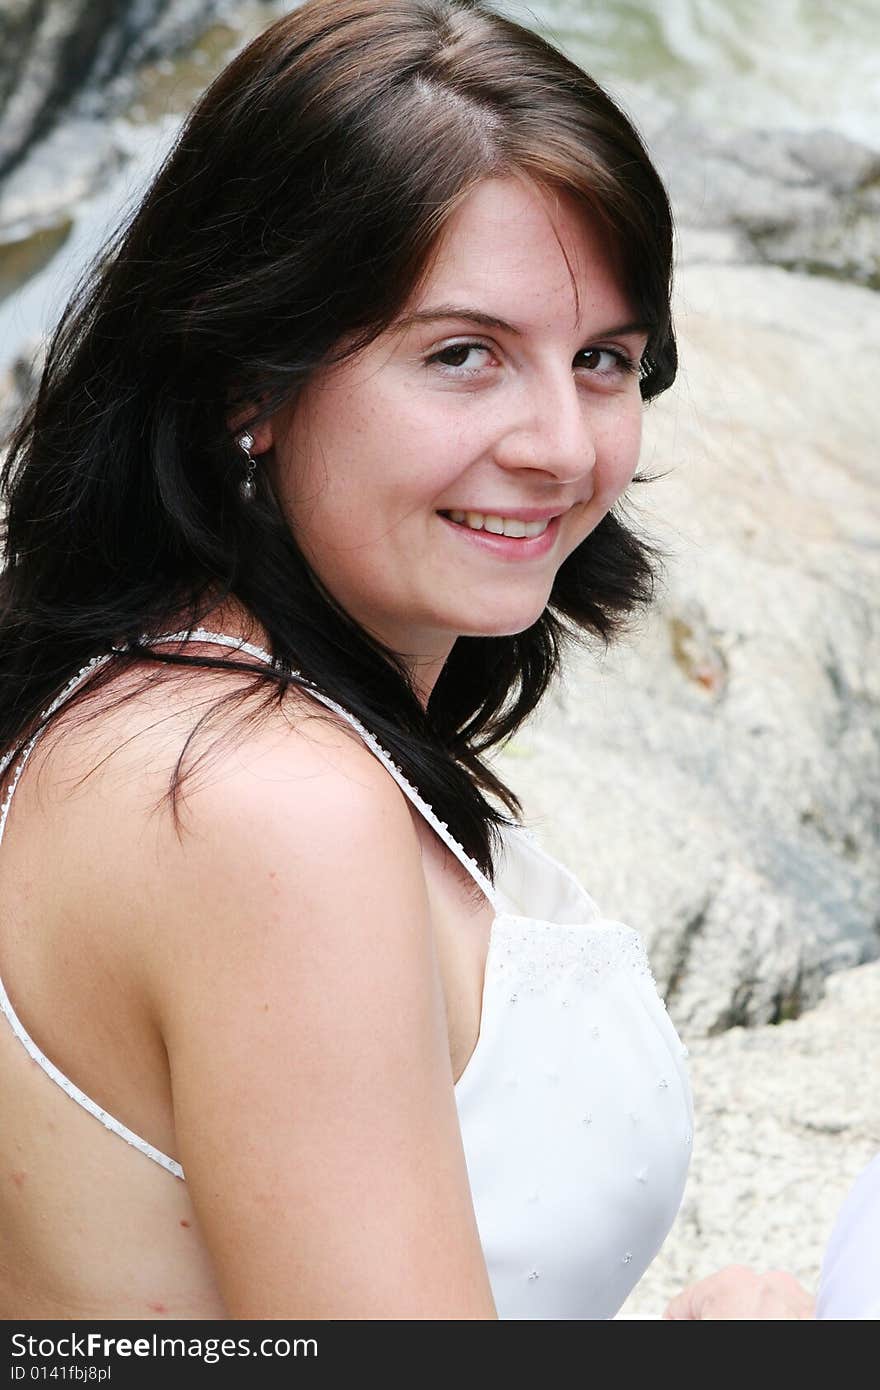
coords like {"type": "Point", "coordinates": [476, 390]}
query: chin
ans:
{"type": "Point", "coordinates": [508, 625]}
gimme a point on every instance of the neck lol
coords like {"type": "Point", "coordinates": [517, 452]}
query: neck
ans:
{"type": "Point", "coordinates": [234, 619]}
{"type": "Point", "coordinates": [425, 673]}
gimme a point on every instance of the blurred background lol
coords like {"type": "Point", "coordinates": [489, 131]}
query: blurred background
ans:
{"type": "Point", "coordinates": [715, 778]}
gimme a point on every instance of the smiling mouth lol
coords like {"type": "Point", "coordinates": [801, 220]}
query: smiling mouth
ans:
{"type": "Point", "coordinates": [498, 525]}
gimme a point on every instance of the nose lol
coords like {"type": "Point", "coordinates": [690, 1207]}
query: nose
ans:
{"type": "Point", "coordinates": [550, 432]}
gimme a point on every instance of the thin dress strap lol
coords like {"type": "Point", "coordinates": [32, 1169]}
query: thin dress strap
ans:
{"type": "Point", "coordinates": [476, 873]}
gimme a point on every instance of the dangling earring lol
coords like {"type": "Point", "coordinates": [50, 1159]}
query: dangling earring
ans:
{"type": "Point", "coordinates": [248, 486]}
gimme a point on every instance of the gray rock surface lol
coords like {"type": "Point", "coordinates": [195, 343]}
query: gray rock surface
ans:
{"type": "Point", "coordinates": [806, 200]}
{"type": "Point", "coordinates": [716, 777]}
{"type": "Point", "coordinates": [786, 1117]}
{"type": "Point", "coordinates": [73, 161]}
{"type": "Point", "coordinates": [50, 52]}
{"type": "Point", "coordinates": [73, 59]}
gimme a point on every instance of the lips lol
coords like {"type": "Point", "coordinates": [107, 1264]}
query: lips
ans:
{"type": "Point", "coordinates": [496, 543]}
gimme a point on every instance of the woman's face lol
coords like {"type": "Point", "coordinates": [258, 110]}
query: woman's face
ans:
{"type": "Point", "coordinates": [493, 396]}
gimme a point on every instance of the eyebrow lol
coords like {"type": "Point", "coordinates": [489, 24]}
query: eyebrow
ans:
{"type": "Point", "coordinates": [471, 315]}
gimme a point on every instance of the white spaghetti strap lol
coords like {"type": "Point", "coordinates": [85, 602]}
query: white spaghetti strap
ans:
{"type": "Point", "coordinates": [199, 634]}
{"type": "Point", "coordinates": [410, 792]}
{"type": "Point", "coordinates": [115, 1126]}
{"type": "Point", "coordinates": [476, 873]}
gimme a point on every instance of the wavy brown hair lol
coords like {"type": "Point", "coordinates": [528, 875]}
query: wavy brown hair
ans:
{"type": "Point", "coordinates": [299, 207]}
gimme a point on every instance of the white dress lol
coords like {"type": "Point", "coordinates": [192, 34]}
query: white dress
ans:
{"type": "Point", "coordinates": [575, 1109]}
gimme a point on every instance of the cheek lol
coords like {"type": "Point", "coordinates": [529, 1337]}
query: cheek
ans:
{"type": "Point", "coordinates": [618, 457]}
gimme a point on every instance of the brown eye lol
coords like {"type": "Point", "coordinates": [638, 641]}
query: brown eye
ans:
{"type": "Point", "coordinates": [615, 363]}
{"type": "Point", "coordinates": [454, 356]}
{"type": "Point", "coordinates": [461, 359]}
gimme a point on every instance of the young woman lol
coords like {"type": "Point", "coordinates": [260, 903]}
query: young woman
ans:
{"type": "Point", "coordinates": [319, 483]}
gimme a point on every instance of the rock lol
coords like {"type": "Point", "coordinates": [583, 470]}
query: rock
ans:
{"type": "Point", "coordinates": [838, 163]}
{"type": "Point", "coordinates": [786, 1118]}
{"type": "Point", "coordinates": [803, 200]}
{"type": "Point", "coordinates": [48, 52]}
{"type": "Point", "coordinates": [70, 164]}
{"type": "Point", "coordinates": [61, 57]}
{"type": "Point", "coordinates": [715, 779]}
{"type": "Point", "coordinates": [31, 253]}
{"type": "Point", "coordinates": [60, 139]}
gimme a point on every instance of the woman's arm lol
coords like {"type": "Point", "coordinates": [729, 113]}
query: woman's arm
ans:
{"type": "Point", "coordinates": [302, 1010]}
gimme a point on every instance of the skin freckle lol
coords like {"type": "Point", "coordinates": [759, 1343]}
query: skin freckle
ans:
{"type": "Point", "coordinates": [18, 1177]}
{"type": "Point", "coordinates": [184, 1222]}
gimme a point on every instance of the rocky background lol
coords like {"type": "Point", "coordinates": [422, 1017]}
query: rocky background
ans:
{"type": "Point", "coordinates": [714, 778]}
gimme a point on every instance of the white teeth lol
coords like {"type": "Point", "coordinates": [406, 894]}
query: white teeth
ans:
{"type": "Point", "coordinates": [499, 525]}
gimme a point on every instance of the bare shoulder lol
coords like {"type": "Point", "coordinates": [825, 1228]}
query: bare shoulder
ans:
{"type": "Point", "coordinates": [215, 727]}
{"type": "Point", "coordinates": [292, 820]}
{"type": "Point", "coordinates": [271, 794]}
{"type": "Point", "coordinates": [288, 795]}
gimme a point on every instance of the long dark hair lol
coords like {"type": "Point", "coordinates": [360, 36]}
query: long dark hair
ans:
{"type": "Point", "coordinates": [297, 210]}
